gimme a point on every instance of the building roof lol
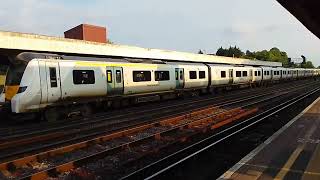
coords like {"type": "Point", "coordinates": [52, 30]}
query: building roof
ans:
{"type": "Point", "coordinates": [18, 42]}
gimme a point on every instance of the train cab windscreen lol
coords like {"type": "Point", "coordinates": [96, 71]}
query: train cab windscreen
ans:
{"type": "Point", "coordinates": [14, 74]}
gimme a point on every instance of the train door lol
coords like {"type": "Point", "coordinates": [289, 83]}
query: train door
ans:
{"type": "Point", "coordinates": [230, 76]}
{"type": "Point", "coordinates": [179, 74]}
{"type": "Point", "coordinates": [251, 75]}
{"type": "Point", "coordinates": [43, 82]}
{"type": "Point", "coordinates": [114, 80]}
{"type": "Point", "coordinates": [53, 81]}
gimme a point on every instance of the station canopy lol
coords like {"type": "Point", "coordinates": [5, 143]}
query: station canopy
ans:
{"type": "Point", "coordinates": [12, 43]}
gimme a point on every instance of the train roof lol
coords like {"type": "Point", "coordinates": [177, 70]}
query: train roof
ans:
{"type": "Point", "coordinates": [13, 42]}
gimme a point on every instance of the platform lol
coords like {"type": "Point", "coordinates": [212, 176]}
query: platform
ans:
{"type": "Point", "coordinates": [291, 153]}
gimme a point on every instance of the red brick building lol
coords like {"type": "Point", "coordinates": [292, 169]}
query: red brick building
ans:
{"type": "Point", "coordinates": [87, 32]}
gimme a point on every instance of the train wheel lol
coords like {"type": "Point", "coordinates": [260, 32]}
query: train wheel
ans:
{"type": "Point", "coordinates": [86, 110]}
{"type": "Point", "coordinates": [51, 114]}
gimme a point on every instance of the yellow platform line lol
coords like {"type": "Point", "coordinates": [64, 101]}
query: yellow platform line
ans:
{"type": "Point", "coordinates": [293, 157]}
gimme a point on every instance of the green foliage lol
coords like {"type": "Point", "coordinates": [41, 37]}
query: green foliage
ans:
{"type": "Point", "coordinates": [231, 52]}
{"type": "Point", "coordinates": [274, 54]}
{"type": "Point", "coordinates": [308, 64]}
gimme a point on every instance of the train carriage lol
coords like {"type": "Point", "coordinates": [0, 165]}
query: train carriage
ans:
{"type": "Point", "coordinates": [45, 82]}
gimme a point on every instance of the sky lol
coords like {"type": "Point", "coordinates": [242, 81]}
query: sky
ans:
{"type": "Point", "coordinates": [182, 25]}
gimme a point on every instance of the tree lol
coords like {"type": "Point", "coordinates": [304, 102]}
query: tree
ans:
{"type": "Point", "coordinates": [308, 64]}
{"type": "Point", "coordinates": [231, 52]}
{"type": "Point", "coordinates": [221, 52]}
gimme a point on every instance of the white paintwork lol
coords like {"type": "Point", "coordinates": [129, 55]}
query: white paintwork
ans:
{"type": "Point", "coordinates": [216, 79]}
{"type": "Point", "coordinates": [257, 78]}
{"type": "Point", "coordinates": [39, 94]}
{"type": "Point", "coordinates": [30, 99]}
{"type": "Point", "coordinates": [194, 83]}
{"type": "Point", "coordinates": [40, 43]}
{"type": "Point", "coordinates": [242, 79]}
{"type": "Point", "coordinates": [266, 73]}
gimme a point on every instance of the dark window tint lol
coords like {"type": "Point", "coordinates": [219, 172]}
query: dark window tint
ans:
{"type": "Point", "coordinates": [83, 77]}
{"type": "Point", "coordinates": [202, 74]}
{"type": "Point", "coordinates": [193, 74]}
{"type": "Point", "coordinates": [139, 76]}
{"type": "Point", "coordinates": [161, 75]}
{"type": "Point", "coordinates": [223, 74]}
{"type": "Point", "coordinates": [238, 73]}
{"type": "Point", "coordinates": [14, 74]}
{"type": "Point", "coordinates": [177, 78]}
{"type": "Point", "coordinates": [118, 76]}
{"type": "Point", "coordinates": [181, 75]}
{"type": "Point", "coordinates": [244, 73]}
{"type": "Point", "coordinates": [53, 77]}
{"type": "Point", "coordinates": [259, 73]}
{"type": "Point", "coordinates": [109, 76]}
{"type": "Point", "coordinates": [255, 73]}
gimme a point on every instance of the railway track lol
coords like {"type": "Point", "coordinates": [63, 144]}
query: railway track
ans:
{"type": "Point", "coordinates": [159, 134]}
{"type": "Point", "coordinates": [11, 131]}
{"type": "Point", "coordinates": [23, 144]}
{"type": "Point", "coordinates": [173, 163]}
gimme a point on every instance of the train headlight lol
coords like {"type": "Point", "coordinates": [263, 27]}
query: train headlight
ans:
{"type": "Point", "coordinates": [22, 89]}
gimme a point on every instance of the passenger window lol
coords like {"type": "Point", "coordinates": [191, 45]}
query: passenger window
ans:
{"type": "Point", "coordinates": [177, 78]}
{"type": "Point", "coordinates": [223, 74]}
{"type": "Point", "coordinates": [255, 73]}
{"type": "Point", "coordinates": [53, 77]}
{"type": "Point", "coordinates": [244, 73]}
{"type": "Point", "coordinates": [83, 77]}
{"type": "Point", "coordinates": [161, 75]}
{"type": "Point", "coordinates": [238, 73]}
{"type": "Point", "coordinates": [202, 74]}
{"type": "Point", "coordinates": [109, 76]}
{"type": "Point", "coordinates": [118, 76]}
{"type": "Point", "coordinates": [193, 74]}
{"type": "Point", "coordinates": [181, 75]}
{"type": "Point", "coordinates": [259, 73]}
{"type": "Point", "coordinates": [139, 76]}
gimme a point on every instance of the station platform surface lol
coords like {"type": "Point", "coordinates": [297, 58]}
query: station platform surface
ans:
{"type": "Point", "coordinates": [293, 152]}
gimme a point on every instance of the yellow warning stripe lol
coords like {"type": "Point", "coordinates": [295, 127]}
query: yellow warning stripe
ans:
{"type": "Point", "coordinates": [104, 64]}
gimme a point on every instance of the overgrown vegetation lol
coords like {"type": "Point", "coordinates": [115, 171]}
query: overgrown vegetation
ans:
{"type": "Point", "coordinates": [274, 54]}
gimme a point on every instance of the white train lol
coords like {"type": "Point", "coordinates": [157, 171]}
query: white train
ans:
{"type": "Point", "coordinates": [55, 86]}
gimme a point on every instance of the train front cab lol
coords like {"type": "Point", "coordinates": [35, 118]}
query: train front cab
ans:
{"type": "Point", "coordinates": [12, 84]}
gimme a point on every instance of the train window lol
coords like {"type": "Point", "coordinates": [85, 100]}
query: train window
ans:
{"type": "Point", "coordinates": [181, 75]}
{"type": "Point", "coordinates": [259, 73]}
{"type": "Point", "coordinates": [202, 74]}
{"type": "Point", "coordinates": [118, 76]}
{"type": "Point", "coordinates": [139, 76]}
{"type": "Point", "coordinates": [83, 77]}
{"type": "Point", "coordinates": [53, 77]}
{"type": "Point", "coordinates": [161, 75]}
{"type": "Point", "coordinates": [193, 74]}
{"type": "Point", "coordinates": [109, 76]}
{"type": "Point", "coordinates": [177, 78]}
{"type": "Point", "coordinates": [238, 73]}
{"type": "Point", "coordinates": [255, 73]}
{"type": "Point", "coordinates": [223, 74]}
{"type": "Point", "coordinates": [244, 73]}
